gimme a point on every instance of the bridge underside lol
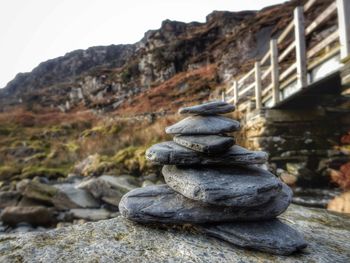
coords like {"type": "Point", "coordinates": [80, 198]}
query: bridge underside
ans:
{"type": "Point", "coordinates": [318, 93]}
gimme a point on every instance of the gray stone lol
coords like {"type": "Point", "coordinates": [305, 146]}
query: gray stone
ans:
{"type": "Point", "coordinates": [90, 214]}
{"type": "Point", "coordinates": [225, 186]}
{"type": "Point", "coordinates": [209, 108]}
{"type": "Point", "coordinates": [70, 197]}
{"type": "Point", "coordinates": [35, 215]}
{"type": "Point", "coordinates": [203, 125]}
{"type": "Point", "coordinates": [120, 240]}
{"type": "Point", "coordinates": [271, 236]}
{"type": "Point", "coordinates": [9, 198]}
{"type": "Point", "coordinates": [109, 189]}
{"type": "Point", "coordinates": [161, 204]}
{"type": "Point", "coordinates": [172, 153]}
{"type": "Point", "coordinates": [209, 144]}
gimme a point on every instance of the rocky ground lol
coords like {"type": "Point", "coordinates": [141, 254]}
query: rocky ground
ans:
{"type": "Point", "coordinates": [119, 240]}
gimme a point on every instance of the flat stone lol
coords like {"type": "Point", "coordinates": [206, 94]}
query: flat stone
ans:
{"type": "Point", "coordinates": [35, 215]}
{"type": "Point", "coordinates": [161, 204]}
{"type": "Point", "coordinates": [121, 240]}
{"type": "Point", "coordinates": [70, 197]}
{"type": "Point", "coordinates": [209, 108]}
{"type": "Point", "coordinates": [225, 186]}
{"type": "Point", "coordinates": [270, 236]}
{"type": "Point", "coordinates": [203, 125]}
{"type": "Point", "coordinates": [90, 214]}
{"type": "Point", "coordinates": [109, 189]}
{"type": "Point", "coordinates": [9, 198]}
{"type": "Point", "coordinates": [172, 153]}
{"type": "Point", "coordinates": [209, 144]}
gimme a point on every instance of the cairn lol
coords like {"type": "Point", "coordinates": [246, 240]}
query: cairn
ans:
{"type": "Point", "coordinates": [215, 184]}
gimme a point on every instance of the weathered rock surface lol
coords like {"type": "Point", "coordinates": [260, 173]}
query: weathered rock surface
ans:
{"type": "Point", "coordinates": [35, 215]}
{"type": "Point", "coordinates": [120, 240]}
{"type": "Point", "coordinates": [226, 186]}
{"type": "Point", "coordinates": [209, 108]}
{"type": "Point", "coordinates": [108, 188]}
{"type": "Point", "coordinates": [203, 125]}
{"type": "Point", "coordinates": [172, 153]}
{"type": "Point", "coordinates": [9, 198]}
{"type": "Point", "coordinates": [70, 197]}
{"type": "Point", "coordinates": [209, 144]}
{"type": "Point", "coordinates": [161, 204]}
{"type": "Point", "coordinates": [90, 214]}
{"type": "Point", "coordinates": [271, 236]}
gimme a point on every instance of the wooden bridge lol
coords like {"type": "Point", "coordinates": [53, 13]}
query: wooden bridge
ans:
{"type": "Point", "coordinates": [292, 65]}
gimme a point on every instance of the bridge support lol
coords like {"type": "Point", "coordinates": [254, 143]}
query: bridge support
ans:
{"type": "Point", "coordinates": [299, 30]}
{"type": "Point", "coordinates": [258, 103]}
{"type": "Point", "coordinates": [274, 72]}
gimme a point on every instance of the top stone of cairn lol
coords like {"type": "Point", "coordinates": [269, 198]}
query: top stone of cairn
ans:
{"type": "Point", "coordinates": [209, 108]}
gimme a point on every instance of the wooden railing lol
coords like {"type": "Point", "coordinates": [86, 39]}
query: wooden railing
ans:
{"type": "Point", "coordinates": [274, 76]}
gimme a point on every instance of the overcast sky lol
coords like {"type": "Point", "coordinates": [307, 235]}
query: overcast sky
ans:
{"type": "Point", "coordinates": [33, 31]}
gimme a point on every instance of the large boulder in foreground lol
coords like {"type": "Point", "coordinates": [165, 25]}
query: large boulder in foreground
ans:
{"type": "Point", "coordinates": [119, 240]}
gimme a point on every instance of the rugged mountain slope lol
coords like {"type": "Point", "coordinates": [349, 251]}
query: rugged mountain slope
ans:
{"type": "Point", "coordinates": [196, 58]}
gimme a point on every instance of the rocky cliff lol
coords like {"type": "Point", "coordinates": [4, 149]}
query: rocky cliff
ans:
{"type": "Point", "coordinates": [178, 59]}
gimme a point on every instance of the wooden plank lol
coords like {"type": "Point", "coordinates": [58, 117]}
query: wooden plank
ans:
{"type": "Point", "coordinates": [257, 85]}
{"type": "Point", "coordinates": [309, 4]}
{"type": "Point", "coordinates": [246, 76]}
{"type": "Point", "coordinates": [324, 43]}
{"type": "Point", "coordinates": [230, 100]}
{"type": "Point", "coordinates": [288, 71]}
{"type": "Point", "coordinates": [244, 91]}
{"type": "Point", "coordinates": [266, 73]}
{"type": "Point", "coordinates": [235, 92]}
{"type": "Point", "coordinates": [299, 25]}
{"type": "Point", "coordinates": [275, 71]}
{"type": "Point", "coordinates": [320, 60]}
{"type": "Point", "coordinates": [228, 91]}
{"type": "Point", "coordinates": [321, 18]}
{"type": "Point", "coordinates": [265, 58]}
{"type": "Point", "coordinates": [286, 51]}
{"type": "Point", "coordinates": [286, 32]}
{"type": "Point", "coordinates": [343, 7]}
{"type": "Point", "coordinates": [266, 90]}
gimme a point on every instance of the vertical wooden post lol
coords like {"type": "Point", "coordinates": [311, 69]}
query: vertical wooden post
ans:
{"type": "Point", "coordinates": [223, 95]}
{"type": "Point", "coordinates": [299, 30]}
{"type": "Point", "coordinates": [235, 92]}
{"type": "Point", "coordinates": [257, 85]}
{"type": "Point", "coordinates": [343, 7]}
{"type": "Point", "coordinates": [274, 71]}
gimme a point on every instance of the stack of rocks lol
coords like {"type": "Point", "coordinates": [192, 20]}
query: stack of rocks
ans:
{"type": "Point", "coordinates": [215, 184]}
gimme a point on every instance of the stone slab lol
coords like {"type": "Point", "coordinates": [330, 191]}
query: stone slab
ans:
{"type": "Point", "coordinates": [272, 236]}
{"type": "Point", "coordinates": [209, 108]}
{"type": "Point", "coordinates": [224, 186]}
{"type": "Point", "coordinates": [203, 125]}
{"type": "Point", "coordinates": [209, 144]}
{"type": "Point", "coordinates": [172, 153]}
{"type": "Point", "coordinates": [161, 204]}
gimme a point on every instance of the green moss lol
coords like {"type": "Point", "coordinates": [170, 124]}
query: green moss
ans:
{"type": "Point", "coordinates": [131, 159]}
{"type": "Point", "coordinates": [72, 146]}
{"type": "Point", "coordinates": [51, 173]}
{"type": "Point", "coordinates": [5, 131]}
{"type": "Point", "coordinates": [101, 130]}
{"type": "Point", "coordinates": [7, 172]}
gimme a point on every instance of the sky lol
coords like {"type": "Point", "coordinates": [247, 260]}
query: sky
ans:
{"type": "Point", "coordinates": [33, 31]}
